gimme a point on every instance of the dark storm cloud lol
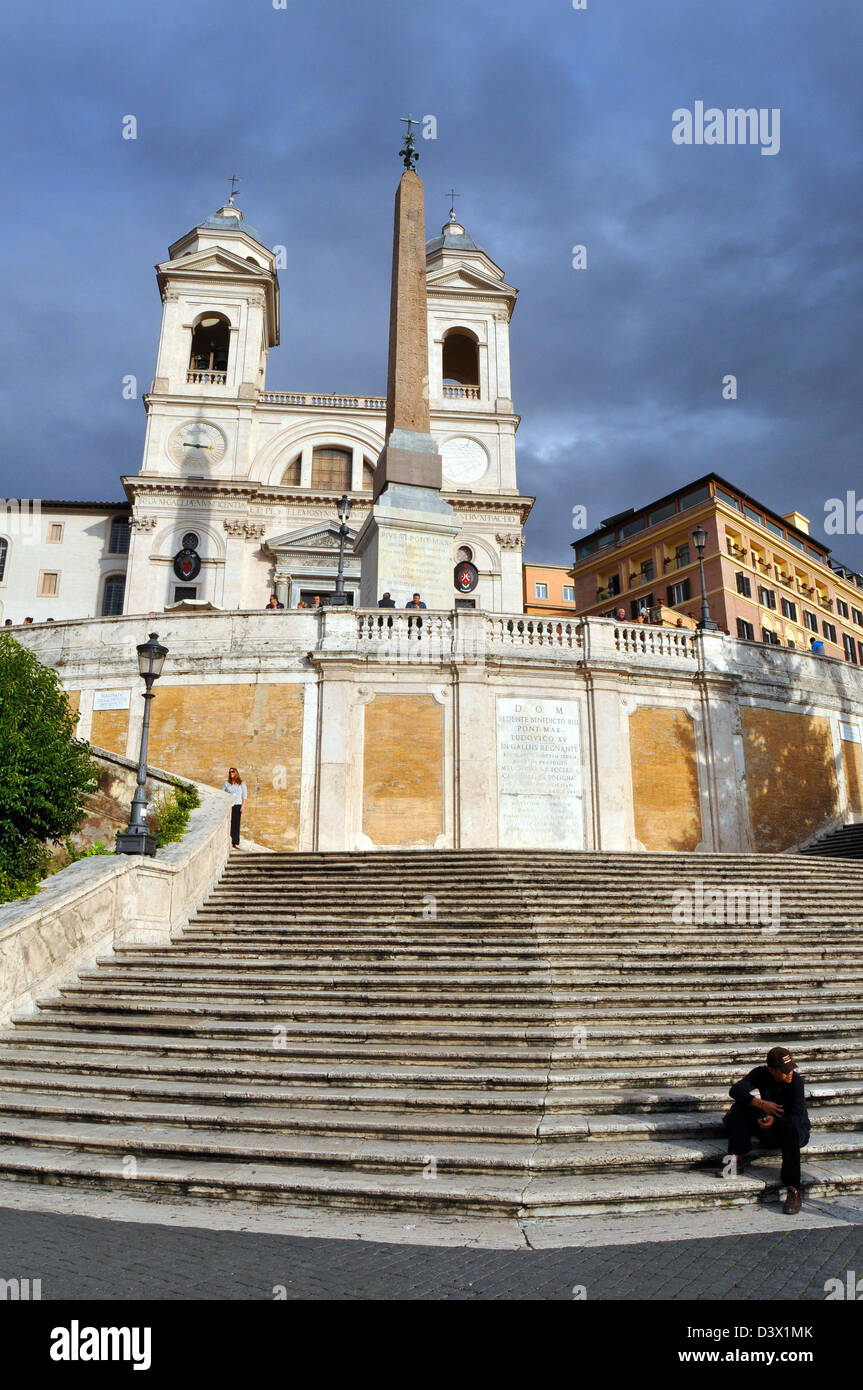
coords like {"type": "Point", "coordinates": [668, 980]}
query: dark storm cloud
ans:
{"type": "Point", "coordinates": [555, 126]}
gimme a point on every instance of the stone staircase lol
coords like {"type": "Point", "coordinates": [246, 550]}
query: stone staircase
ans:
{"type": "Point", "coordinates": [846, 843]}
{"type": "Point", "coordinates": [525, 1034]}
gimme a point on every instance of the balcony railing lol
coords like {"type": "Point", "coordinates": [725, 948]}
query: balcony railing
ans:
{"type": "Point", "coordinates": [318, 400]}
{"type": "Point", "coordinates": [461, 393]}
{"type": "Point", "coordinates": [206, 378]}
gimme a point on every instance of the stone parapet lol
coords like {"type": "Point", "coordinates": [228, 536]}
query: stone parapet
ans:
{"type": "Point", "coordinates": [83, 911]}
{"type": "Point", "coordinates": [489, 729]}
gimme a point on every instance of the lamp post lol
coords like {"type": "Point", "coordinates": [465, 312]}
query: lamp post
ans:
{"type": "Point", "coordinates": [707, 624]}
{"type": "Point", "coordinates": [339, 598]}
{"type": "Point", "coordinates": [136, 838]}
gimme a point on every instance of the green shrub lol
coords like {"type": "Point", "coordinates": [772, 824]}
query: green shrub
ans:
{"type": "Point", "coordinates": [73, 854]}
{"type": "Point", "coordinates": [170, 813]}
{"type": "Point", "coordinates": [47, 774]}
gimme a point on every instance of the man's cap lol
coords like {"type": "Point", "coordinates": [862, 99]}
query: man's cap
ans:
{"type": "Point", "coordinates": [780, 1059]}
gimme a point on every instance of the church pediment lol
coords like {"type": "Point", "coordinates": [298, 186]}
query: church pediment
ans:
{"type": "Point", "coordinates": [467, 279]}
{"type": "Point", "coordinates": [211, 258]}
{"type": "Point", "coordinates": [311, 540]}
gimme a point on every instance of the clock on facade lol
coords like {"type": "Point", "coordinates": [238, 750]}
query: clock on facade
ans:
{"type": "Point", "coordinates": [197, 442]}
{"type": "Point", "coordinates": [464, 460]}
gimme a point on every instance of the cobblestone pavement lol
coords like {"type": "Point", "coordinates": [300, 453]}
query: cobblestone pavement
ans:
{"type": "Point", "coordinates": [79, 1257]}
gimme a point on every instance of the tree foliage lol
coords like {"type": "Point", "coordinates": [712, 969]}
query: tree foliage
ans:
{"type": "Point", "coordinates": [46, 773]}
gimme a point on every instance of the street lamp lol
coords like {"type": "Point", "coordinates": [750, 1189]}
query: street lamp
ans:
{"type": "Point", "coordinates": [339, 598]}
{"type": "Point", "coordinates": [707, 624]}
{"type": "Point", "coordinates": [136, 838]}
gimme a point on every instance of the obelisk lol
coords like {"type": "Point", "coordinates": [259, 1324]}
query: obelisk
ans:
{"type": "Point", "coordinates": [405, 543]}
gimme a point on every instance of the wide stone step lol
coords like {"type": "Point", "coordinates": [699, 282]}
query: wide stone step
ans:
{"type": "Point", "coordinates": [347, 1152]}
{"type": "Point", "coordinates": [632, 1085]}
{"type": "Point", "coordinates": [375, 1123]}
{"type": "Point", "coordinates": [305, 1185]}
{"type": "Point", "coordinates": [37, 1072]}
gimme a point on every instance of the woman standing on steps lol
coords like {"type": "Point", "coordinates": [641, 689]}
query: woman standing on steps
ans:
{"type": "Point", "coordinates": [237, 788]}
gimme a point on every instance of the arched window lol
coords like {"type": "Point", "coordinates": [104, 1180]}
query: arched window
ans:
{"type": "Point", "coordinates": [331, 469]}
{"type": "Point", "coordinates": [368, 476]}
{"type": "Point", "coordinates": [4, 555]}
{"type": "Point", "coordinates": [113, 595]}
{"type": "Point", "coordinates": [291, 475]}
{"type": "Point", "coordinates": [210, 341]}
{"type": "Point", "coordinates": [465, 553]}
{"type": "Point", "coordinates": [460, 358]}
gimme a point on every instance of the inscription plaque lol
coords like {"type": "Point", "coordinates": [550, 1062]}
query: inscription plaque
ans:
{"type": "Point", "coordinates": [539, 785]}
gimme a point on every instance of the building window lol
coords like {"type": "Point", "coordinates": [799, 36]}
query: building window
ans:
{"type": "Point", "coordinates": [681, 555]}
{"type": "Point", "coordinates": [857, 615]}
{"type": "Point", "coordinates": [642, 605]}
{"type": "Point", "coordinates": [691, 499]}
{"type": "Point", "coordinates": [860, 652]}
{"type": "Point", "coordinates": [811, 620]}
{"type": "Point", "coordinates": [743, 585]}
{"type": "Point", "coordinates": [647, 572]}
{"type": "Point", "coordinates": [569, 593]}
{"type": "Point", "coordinates": [789, 610]}
{"type": "Point", "coordinates": [121, 531]}
{"type": "Point", "coordinates": [210, 343]}
{"type": "Point", "coordinates": [613, 588]}
{"type": "Point", "coordinates": [842, 608]}
{"type": "Point", "coordinates": [49, 584]}
{"type": "Point", "coordinates": [745, 630]}
{"type": "Point", "coordinates": [331, 469]}
{"type": "Point", "coordinates": [829, 631]}
{"type": "Point", "coordinates": [766, 597]}
{"type": "Point", "coordinates": [291, 475]}
{"type": "Point", "coordinates": [460, 358]}
{"type": "Point", "coordinates": [850, 648]}
{"type": "Point", "coordinates": [113, 595]}
{"type": "Point", "coordinates": [678, 593]}
{"type": "Point", "coordinates": [368, 476]}
{"type": "Point", "coordinates": [726, 497]}
{"type": "Point", "coordinates": [540, 591]}
{"type": "Point", "coordinates": [55, 533]}
{"type": "Point", "coordinates": [770, 638]}
{"type": "Point", "coordinates": [182, 591]}
{"type": "Point", "coordinates": [4, 555]}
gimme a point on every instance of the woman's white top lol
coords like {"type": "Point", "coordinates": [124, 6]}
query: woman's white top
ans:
{"type": "Point", "coordinates": [237, 790]}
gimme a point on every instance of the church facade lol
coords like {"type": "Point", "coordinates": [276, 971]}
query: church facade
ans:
{"type": "Point", "coordinates": [237, 494]}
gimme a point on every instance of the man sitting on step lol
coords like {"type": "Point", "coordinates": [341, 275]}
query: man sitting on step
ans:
{"type": "Point", "coordinates": [777, 1117]}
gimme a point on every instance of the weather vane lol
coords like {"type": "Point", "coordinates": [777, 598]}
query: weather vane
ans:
{"type": "Point", "coordinates": [232, 180]}
{"type": "Point", "coordinates": [409, 154]}
{"type": "Point", "coordinates": [452, 195]}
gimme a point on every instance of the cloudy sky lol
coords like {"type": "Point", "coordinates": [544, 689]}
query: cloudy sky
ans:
{"type": "Point", "coordinates": [555, 125]}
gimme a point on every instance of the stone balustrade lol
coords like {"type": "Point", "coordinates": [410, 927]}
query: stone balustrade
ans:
{"type": "Point", "coordinates": [206, 378]}
{"type": "Point", "coordinates": [319, 400]}
{"type": "Point", "coordinates": [246, 640]}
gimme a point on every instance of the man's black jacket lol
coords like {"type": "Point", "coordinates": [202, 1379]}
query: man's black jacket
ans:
{"type": "Point", "coordinates": [788, 1094]}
